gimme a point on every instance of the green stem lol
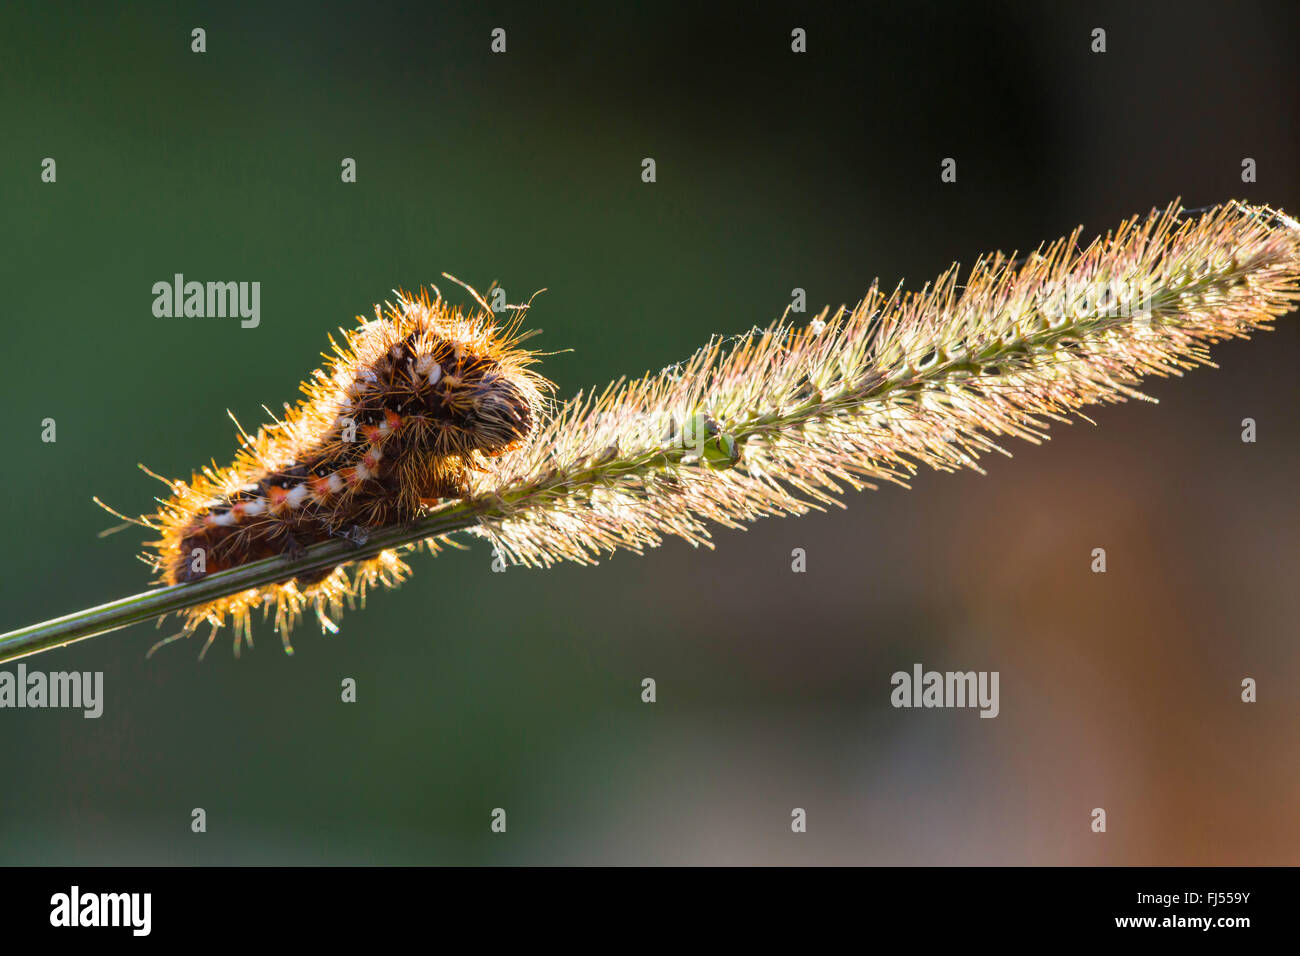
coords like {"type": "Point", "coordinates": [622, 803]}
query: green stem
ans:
{"type": "Point", "coordinates": [153, 604]}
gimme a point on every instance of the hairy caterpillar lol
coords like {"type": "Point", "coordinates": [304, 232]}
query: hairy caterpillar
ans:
{"type": "Point", "coordinates": [404, 408]}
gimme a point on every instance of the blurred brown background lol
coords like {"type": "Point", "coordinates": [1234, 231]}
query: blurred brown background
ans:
{"type": "Point", "coordinates": [774, 171]}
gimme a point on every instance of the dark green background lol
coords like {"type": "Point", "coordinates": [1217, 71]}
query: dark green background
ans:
{"type": "Point", "coordinates": [521, 690]}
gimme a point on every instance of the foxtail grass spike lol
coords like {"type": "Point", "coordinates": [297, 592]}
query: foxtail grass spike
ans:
{"type": "Point", "coordinates": [780, 420]}
{"type": "Point", "coordinates": [783, 419]}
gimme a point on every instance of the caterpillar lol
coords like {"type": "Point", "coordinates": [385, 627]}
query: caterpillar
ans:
{"type": "Point", "coordinates": [404, 408]}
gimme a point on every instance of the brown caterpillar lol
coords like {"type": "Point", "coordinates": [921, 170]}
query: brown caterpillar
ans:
{"type": "Point", "coordinates": [403, 409]}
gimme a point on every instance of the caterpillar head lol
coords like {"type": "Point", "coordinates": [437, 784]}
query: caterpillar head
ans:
{"type": "Point", "coordinates": [461, 375]}
{"type": "Point", "coordinates": [501, 414]}
{"type": "Point", "coordinates": [484, 404]}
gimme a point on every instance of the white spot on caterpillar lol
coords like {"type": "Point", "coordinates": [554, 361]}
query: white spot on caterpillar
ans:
{"type": "Point", "coordinates": [296, 496]}
{"type": "Point", "coordinates": [427, 367]}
